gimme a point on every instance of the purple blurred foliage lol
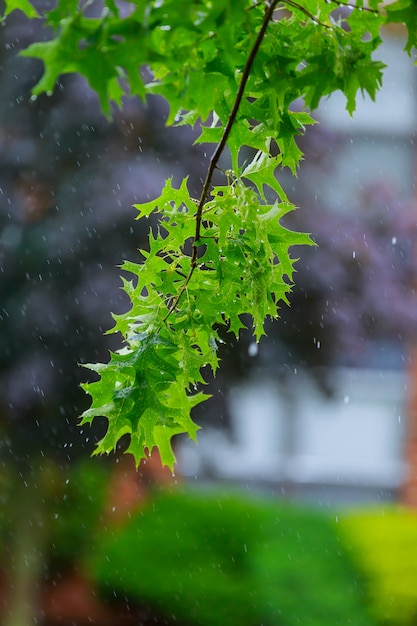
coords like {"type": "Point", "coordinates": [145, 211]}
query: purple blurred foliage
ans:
{"type": "Point", "coordinates": [359, 284]}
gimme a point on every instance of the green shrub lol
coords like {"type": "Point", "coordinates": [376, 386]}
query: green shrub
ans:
{"type": "Point", "coordinates": [384, 546]}
{"type": "Point", "coordinates": [213, 559]}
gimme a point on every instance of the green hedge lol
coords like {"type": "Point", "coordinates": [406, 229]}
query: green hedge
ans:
{"type": "Point", "coordinates": [211, 559]}
{"type": "Point", "coordinates": [383, 544]}
{"type": "Point", "coordinates": [217, 559]}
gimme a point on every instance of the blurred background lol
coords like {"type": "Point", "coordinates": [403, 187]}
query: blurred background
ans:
{"type": "Point", "coordinates": [298, 504]}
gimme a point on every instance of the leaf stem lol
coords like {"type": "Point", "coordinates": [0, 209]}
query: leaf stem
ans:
{"type": "Point", "coordinates": [270, 7]}
{"type": "Point", "coordinates": [295, 5]}
{"type": "Point", "coordinates": [354, 6]}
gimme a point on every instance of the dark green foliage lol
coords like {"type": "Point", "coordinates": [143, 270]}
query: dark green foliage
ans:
{"type": "Point", "coordinates": [75, 511]}
{"type": "Point", "coordinates": [213, 558]}
{"type": "Point", "coordinates": [69, 503]}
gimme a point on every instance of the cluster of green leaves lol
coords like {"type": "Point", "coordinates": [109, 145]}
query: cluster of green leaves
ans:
{"type": "Point", "coordinates": [249, 74]}
{"type": "Point", "coordinates": [170, 331]}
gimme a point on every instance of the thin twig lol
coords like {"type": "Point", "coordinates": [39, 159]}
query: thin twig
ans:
{"type": "Point", "coordinates": [270, 6]}
{"type": "Point", "coordinates": [295, 5]}
{"type": "Point", "coordinates": [354, 6]}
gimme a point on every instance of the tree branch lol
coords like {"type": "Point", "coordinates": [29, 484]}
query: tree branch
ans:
{"type": "Point", "coordinates": [295, 5]}
{"type": "Point", "coordinates": [270, 7]}
{"type": "Point", "coordinates": [354, 6]}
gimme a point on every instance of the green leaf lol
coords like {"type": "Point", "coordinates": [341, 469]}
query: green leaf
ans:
{"type": "Point", "coordinates": [261, 171]}
{"type": "Point", "coordinates": [404, 12]}
{"type": "Point", "coordinates": [20, 5]}
{"type": "Point", "coordinates": [139, 394]}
